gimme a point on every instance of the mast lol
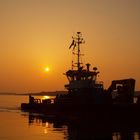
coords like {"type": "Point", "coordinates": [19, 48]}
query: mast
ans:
{"type": "Point", "coordinates": [78, 54]}
{"type": "Point", "coordinates": [76, 43]}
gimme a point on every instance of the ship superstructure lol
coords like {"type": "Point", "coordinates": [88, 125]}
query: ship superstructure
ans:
{"type": "Point", "coordinates": [81, 77]}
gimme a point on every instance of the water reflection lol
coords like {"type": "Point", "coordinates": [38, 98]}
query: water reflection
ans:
{"type": "Point", "coordinates": [84, 129]}
{"type": "Point", "coordinates": [48, 124]}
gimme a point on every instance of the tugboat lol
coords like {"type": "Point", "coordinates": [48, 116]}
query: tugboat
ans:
{"type": "Point", "coordinates": [83, 87]}
{"type": "Point", "coordinates": [85, 93]}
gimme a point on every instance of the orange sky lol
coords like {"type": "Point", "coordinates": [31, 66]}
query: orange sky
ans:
{"type": "Point", "coordinates": [37, 33]}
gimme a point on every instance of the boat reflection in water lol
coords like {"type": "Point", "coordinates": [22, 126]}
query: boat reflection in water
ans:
{"type": "Point", "coordinates": [85, 129]}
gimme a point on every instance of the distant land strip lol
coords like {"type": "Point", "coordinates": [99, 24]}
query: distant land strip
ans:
{"type": "Point", "coordinates": [43, 93]}
{"type": "Point", "coordinates": [52, 93]}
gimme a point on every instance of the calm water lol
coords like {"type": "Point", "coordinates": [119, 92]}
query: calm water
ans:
{"type": "Point", "coordinates": [15, 125]}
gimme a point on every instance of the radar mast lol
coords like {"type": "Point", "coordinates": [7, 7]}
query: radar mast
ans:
{"type": "Point", "coordinates": [77, 40]}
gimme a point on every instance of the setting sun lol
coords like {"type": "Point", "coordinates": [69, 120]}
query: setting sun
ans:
{"type": "Point", "coordinates": [47, 69]}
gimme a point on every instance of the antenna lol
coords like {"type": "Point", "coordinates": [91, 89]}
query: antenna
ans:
{"type": "Point", "coordinates": [77, 40]}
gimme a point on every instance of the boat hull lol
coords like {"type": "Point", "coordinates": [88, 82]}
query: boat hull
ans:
{"type": "Point", "coordinates": [97, 111]}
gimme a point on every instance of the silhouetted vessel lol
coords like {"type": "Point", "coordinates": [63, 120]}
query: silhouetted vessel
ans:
{"type": "Point", "coordinates": [86, 94]}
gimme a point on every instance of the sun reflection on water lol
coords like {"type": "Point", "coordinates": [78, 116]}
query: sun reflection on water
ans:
{"type": "Point", "coordinates": [46, 128]}
{"type": "Point", "coordinates": [46, 97]}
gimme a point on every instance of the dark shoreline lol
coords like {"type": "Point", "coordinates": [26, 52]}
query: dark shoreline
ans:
{"type": "Point", "coordinates": [36, 94]}
{"type": "Point", "coordinates": [136, 93]}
